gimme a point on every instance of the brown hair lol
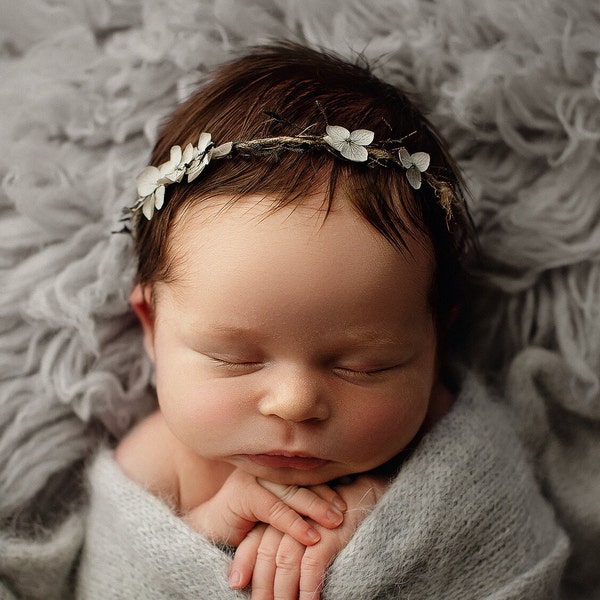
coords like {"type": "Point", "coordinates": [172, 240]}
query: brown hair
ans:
{"type": "Point", "coordinates": [307, 89]}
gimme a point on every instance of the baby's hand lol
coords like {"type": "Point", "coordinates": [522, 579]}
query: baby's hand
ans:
{"type": "Point", "coordinates": [225, 504]}
{"type": "Point", "coordinates": [244, 500]}
{"type": "Point", "coordinates": [281, 567]}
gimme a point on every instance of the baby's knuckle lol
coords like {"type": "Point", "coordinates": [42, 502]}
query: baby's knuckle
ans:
{"type": "Point", "coordinates": [312, 562]}
{"type": "Point", "coordinates": [314, 502]}
{"type": "Point", "coordinates": [278, 511]}
{"type": "Point", "coordinates": [286, 560]}
{"type": "Point", "coordinates": [289, 492]}
{"type": "Point", "coordinates": [266, 553]}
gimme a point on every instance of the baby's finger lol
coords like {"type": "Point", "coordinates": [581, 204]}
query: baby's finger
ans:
{"type": "Point", "coordinates": [329, 495]}
{"type": "Point", "coordinates": [230, 517]}
{"type": "Point", "coordinates": [265, 567]}
{"type": "Point", "coordinates": [268, 508]}
{"type": "Point", "coordinates": [287, 576]}
{"type": "Point", "coordinates": [244, 559]}
{"type": "Point", "coordinates": [312, 572]}
{"type": "Point", "coordinates": [307, 502]}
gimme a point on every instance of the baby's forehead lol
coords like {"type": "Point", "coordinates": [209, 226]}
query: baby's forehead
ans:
{"type": "Point", "coordinates": [295, 264]}
{"type": "Point", "coordinates": [313, 208]}
{"type": "Point", "coordinates": [296, 235]}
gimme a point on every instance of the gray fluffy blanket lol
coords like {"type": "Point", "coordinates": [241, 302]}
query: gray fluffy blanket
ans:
{"type": "Point", "coordinates": [513, 85]}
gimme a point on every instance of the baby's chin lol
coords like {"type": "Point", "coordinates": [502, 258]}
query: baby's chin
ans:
{"type": "Point", "coordinates": [305, 475]}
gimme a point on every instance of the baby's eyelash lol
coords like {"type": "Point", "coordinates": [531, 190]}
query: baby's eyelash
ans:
{"type": "Point", "coordinates": [233, 365]}
{"type": "Point", "coordinates": [358, 373]}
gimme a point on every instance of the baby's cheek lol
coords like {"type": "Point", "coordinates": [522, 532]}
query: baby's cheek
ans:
{"type": "Point", "coordinates": [199, 414]}
{"type": "Point", "coordinates": [210, 413]}
{"type": "Point", "coordinates": [388, 429]}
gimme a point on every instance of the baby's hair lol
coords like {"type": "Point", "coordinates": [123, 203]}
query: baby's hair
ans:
{"type": "Point", "coordinates": [284, 89]}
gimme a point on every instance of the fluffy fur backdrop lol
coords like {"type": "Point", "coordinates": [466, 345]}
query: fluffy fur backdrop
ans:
{"type": "Point", "coordinates": [514, 86]}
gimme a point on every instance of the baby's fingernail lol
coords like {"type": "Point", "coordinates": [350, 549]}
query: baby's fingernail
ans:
{"type": "Point", "coordinates": [313, 535]}
{"type": "Point", "coordinates": [335, 517]}
{"type": "Point", "coordinates": [235, 579]}
{"type": "Point", "coordinates": [340, 504]}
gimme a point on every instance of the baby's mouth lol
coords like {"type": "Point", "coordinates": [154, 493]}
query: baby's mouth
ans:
{"type": "Point", "coordinates": [281, 460]}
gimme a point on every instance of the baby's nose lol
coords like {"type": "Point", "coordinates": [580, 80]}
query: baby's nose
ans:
{"type": "Point", "coordinates": [295, 396]}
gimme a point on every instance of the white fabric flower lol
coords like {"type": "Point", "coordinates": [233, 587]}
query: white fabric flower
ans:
{"type": "Point", "coordinates": [152, 181]}
{"type": "Point", "coordinates": [415, 164]}
{"type": "Point", "coordinates": [201, 156]}
{"type": "Point", "coordinates": [222, 150]}
{"type": "Point", "coordinates": [204, 153]}
{"type": "Point", "coordinates": [174, 169]}
{"type": "Point", "coordinates": [350, 145]}
{"type": "Point", "coordinates": [151, 190]}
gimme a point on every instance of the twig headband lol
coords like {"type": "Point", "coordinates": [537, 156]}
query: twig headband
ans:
{"type": "Point", "coordinates": [354, 146]}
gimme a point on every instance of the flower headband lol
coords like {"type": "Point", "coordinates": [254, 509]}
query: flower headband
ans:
{"type": "Point", "coordinates": [354, 146]}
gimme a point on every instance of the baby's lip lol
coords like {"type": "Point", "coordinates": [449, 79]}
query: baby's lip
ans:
{"type": "Point", "coordinates": [287, 460]}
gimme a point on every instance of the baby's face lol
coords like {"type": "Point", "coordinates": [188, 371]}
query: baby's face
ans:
{"type": "Point", "coordinates": [296, 348]}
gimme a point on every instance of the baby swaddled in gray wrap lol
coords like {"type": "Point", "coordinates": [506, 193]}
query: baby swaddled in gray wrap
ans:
{"type": "Point", "coordinates": [297, 285]}
{"type": "Point", "coordinates": [462, 519]}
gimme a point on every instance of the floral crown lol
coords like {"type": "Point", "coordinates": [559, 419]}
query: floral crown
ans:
{"type": "Point", "coordinates": [355, 146]}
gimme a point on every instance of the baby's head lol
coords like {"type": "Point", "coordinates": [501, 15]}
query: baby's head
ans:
{"type": "Point", "coordinates": [293, 300]}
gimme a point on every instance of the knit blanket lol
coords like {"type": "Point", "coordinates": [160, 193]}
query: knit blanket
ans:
{"type": "Point", "coordinates": [513, 85]}
{"type": "Point", "coordinates": [463, 519]}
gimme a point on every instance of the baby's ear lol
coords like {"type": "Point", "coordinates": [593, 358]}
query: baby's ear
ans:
{"type": "Point", "coordinates": [140, 302]}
